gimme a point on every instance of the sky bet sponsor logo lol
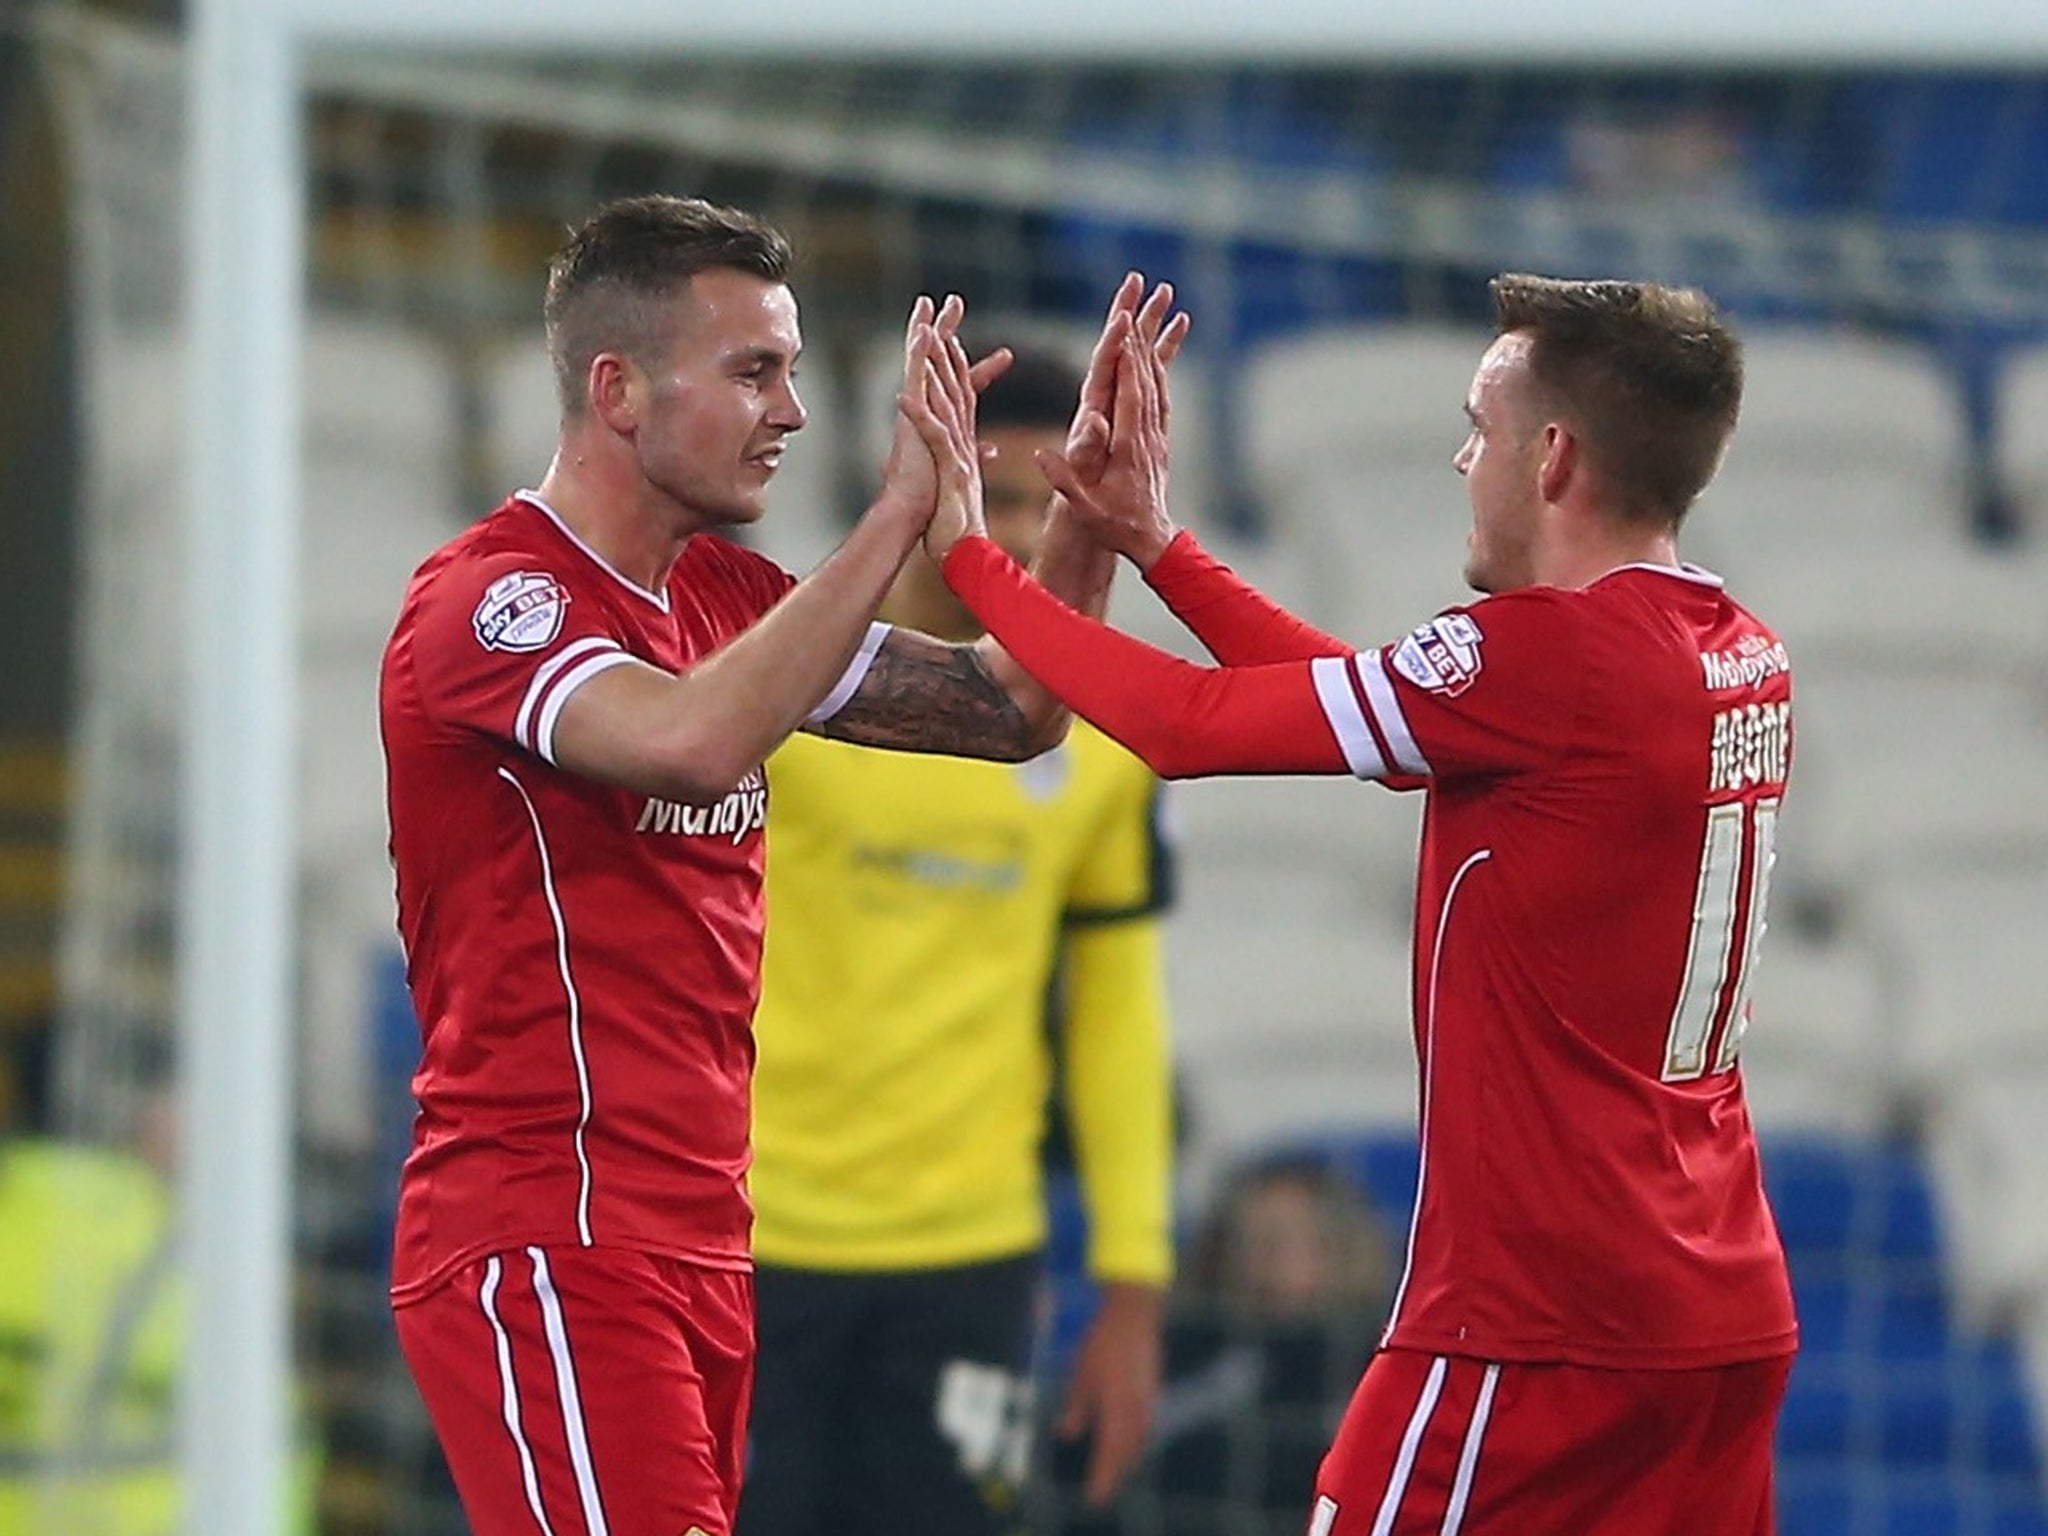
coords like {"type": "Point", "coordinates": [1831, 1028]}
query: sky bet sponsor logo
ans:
{"type": "Point", "coordinates": [520, 612]}
{"type": "Point", "coordinates": [744, 810]}
{"type": "Point", "coordinates": [1442, 656]}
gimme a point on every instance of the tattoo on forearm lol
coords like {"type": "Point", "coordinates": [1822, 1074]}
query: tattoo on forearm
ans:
{"type": "Point", "coordinates": [922, 695]}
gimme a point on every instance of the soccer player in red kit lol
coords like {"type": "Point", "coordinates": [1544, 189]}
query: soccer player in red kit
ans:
{"type": "Point", "coordinates": [576, 702]}
{"type": "Point", "coordinates": [1595, 1326]}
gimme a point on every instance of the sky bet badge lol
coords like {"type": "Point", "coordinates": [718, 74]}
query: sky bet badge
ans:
{"type": "Point", "coordinates": [521, 612]}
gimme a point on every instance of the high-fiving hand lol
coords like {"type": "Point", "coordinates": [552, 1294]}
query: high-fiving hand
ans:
{"type": "Point", "coordinates": [1112, 472]}
{"type": "Point", "coordinates": [909, 476]}
{"type": "Point", "coordinates": [1112, 476]}
{"type": "Point", "coordinates": [938, 402]}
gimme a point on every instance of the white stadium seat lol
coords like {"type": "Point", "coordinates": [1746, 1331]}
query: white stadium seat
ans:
{"type": "Point", "coordinates": [1990, 1165]}
{"type": "Point", "coordinates": [1289, 958]}
{"type": "Point", "coordinates": [1814, 1056]}
{"type": "Point", "coordinates": [1838, 512]}
{"type": "Point", "coordinates": [1970, 970]}
{"type": "Point", "coordinates": [1348, 436]}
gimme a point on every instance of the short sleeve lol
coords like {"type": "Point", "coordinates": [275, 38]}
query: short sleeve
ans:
{"type": "Point", "coordinates": [1128, 871]}
{"type": "Point", "coordinates": [1487, 689]}
{"type": "Point", "coordinates": [502, 644]}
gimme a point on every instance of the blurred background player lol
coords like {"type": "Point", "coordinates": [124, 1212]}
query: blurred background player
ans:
{"type": "Point", "coordinates": [926, 910]}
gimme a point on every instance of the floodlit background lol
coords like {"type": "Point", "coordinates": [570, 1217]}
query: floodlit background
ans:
{"type": "Point", "coordinates": [1880, 233]}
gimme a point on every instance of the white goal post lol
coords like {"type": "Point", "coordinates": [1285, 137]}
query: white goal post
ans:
{"type": "Point", "coordinates": [250, 61]}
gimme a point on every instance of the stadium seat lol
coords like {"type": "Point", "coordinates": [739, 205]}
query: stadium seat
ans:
{"type": "Point", "coordinates": [2033, 1361]}
{"type": "Point", "coordinates": [2022, 448]}
{"type": "Point", "coordinates": [1991, 1168]}
{"type": "Point", "coordinates": [1349, 435]}
{"type": "Point", "coordinates": [1839, 512]}
{"type": "Point", "coordinates": [380, 479]}
{"type": "Point", "coordinates": [1971, 973]}
{"type": "Point", "coordinates": [1836, 1196]}
{"type": "Point", "coordinates": [1885, 746]}
{"type": "Point", "coordinates": [1813, 1058]}
{"type": "Point", "coordinates": [1289, 959]}
{"type": "Point", "coordinates": [1845, 439]}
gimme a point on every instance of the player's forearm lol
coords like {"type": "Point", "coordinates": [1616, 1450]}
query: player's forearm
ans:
{"type": "Point", "coordinates": [1181, 719]}
{"type": "Point", "coordinates": [1239, 624]}
{"type": "Point", "coordinates": [1080, 573]}
{"type": "Point", "coordinates": [1120, 1097]}
{"type": "Point", "coordinates": [730, 711]}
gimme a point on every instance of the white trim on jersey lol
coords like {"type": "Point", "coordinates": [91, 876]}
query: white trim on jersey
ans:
{"type": "Point", "coordinates": [1468, 1456]}
{"type": "Point", "coordinates": [1385, 705]}
{"type": "Point", "coordinates": [575, 1002]}
{"type": "Point", "coordinates": [546, 673]}
{"type": "Point", "coordinates": [1347, 721]}
{"type": "Point", "coordinates": [1684, 572]}
{"type": "Point", "coordinates": [1411, 1442]}
{"type": "Point", "coordinates": [532, 499]}
{"type": "Point", "coordinates": [572, 1399]}
{"type": "Point", "coordinates": [1436, 960]}
{"type": "Point", "coordinates": [487, 1297]}
{"type": "Point", "coordinates": [560, 694]}
{"type": "Point", "coordinates": [855, 674]}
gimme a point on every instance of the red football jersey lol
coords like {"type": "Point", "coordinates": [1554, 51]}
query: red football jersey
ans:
{"type": "Point", "coordinates": [584, 960]}
{"type": "Point", "coordinates": [1604, 768]}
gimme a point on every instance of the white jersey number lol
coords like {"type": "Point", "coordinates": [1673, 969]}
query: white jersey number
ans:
{"type": "Point", "coordinates": [1712, 988]}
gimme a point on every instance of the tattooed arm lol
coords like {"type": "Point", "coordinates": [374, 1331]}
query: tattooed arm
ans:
{"type": "Point", "coordinates": [926, 695]}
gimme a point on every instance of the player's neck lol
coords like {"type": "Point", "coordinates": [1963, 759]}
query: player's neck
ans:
{"type": "Point", "coordinates": [1585, 548]}
{"type": "Point", "coordinates": [639, 541]}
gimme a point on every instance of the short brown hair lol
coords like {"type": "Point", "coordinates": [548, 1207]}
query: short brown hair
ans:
{"type": "Point", "coordinates": [610, 284]}
{"type": "Point", "coordinates": [1649, 377]}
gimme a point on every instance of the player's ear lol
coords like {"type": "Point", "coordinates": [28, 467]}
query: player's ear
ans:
{"type": "Point", "coordinates": [614, 388]}
{"type": "Point", "coordinates": [1559, 463]}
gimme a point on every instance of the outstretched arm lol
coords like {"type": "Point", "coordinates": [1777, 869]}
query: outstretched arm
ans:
{"type": "Point", "coordinates": [1124, 508]}
{"type": "Point", "coordinates": [1185, 721]}
{"type": "Point", "coordinates": [973, 699]}
{"type": "Point", "coordinates": [1238, 624]}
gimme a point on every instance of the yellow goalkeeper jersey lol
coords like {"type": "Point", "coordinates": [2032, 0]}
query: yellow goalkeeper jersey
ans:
{"type": "Point", "coordinates": [919, 909]}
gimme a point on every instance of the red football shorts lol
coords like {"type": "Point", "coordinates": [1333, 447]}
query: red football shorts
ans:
{"type": "Point", "coordinates": [1444, 1445]}
{"type": "Point", "coordinates": [588, 1391]}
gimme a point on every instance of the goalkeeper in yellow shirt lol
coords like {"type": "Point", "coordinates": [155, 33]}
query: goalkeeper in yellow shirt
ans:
{"type": "Point", "coordinates": [926, 911]}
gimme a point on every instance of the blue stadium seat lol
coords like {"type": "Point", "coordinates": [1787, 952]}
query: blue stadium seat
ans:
{"type": "Point", "coordinates": [1896, 1423]}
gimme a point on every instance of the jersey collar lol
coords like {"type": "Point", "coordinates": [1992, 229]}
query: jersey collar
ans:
{"type": "Point", "coordinates": [532, 499]}
{"type": "Point", "coordinates": [1698, 575]}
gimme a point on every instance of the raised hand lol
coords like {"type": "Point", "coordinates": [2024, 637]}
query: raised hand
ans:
{"type": "Point", "coordinates": [938, 404]}
{"type": "Point", "coordinates": [1087, 445]}
{"type": "Point", "coordinates": [1118, 493]}
{"type": "Point", "coordinates": [908, 476]}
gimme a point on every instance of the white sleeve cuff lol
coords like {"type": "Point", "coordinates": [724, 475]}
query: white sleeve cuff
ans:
{"type": "Point", "coordinates": [850, 680]}
{"type": "Point", "coordinates": [551, 706]}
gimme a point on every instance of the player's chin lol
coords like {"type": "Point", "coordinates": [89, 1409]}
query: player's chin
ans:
{"type": "Point", "coordinates": [745, 505]}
